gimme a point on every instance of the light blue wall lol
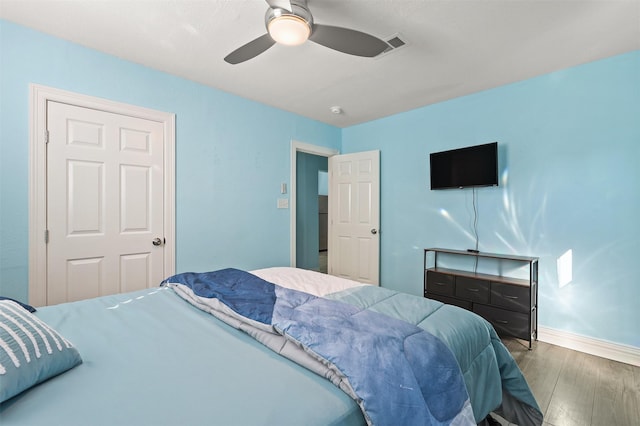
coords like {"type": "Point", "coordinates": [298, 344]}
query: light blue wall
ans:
{"type": "Point", "coordinates": [570, 162]}
{"type": "Point", "coordinates": [232, 154]}
{"type": "Point", "coordinates": [323, 183]}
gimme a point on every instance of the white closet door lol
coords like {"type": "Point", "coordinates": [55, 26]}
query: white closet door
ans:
{"type": "Point", "coordinates": [104, 203]}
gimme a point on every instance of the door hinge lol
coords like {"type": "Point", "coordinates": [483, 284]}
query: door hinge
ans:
{"type": "Point", "coordinates": [46, 136]}
{"type": "Point", "coordinates": [46, 236]}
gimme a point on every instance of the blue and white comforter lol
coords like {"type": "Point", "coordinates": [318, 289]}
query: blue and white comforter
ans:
{"type": "Point", "coordinates": [398, 373]}
{"type": "Point", "coordinates": [492, 377]}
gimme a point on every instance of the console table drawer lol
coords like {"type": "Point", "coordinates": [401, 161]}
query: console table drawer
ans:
{"type": "Point", "coordinates": [440, 283]}
{"type": "Point", "coordinates": [505, 322]}
{"type": "Point", "coordinates": [472, 289]}
{"type": "Point", "coordinates": [450, 301]}
{"type": "Point", "coordinates": [511, 297]}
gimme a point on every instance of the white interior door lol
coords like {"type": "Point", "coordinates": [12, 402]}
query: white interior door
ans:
{"type": "Point", "coordinates": [354, 216]}
{"type": "Point", "coordinates": [104, 203]}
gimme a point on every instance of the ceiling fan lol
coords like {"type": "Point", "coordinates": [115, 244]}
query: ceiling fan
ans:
{"type": "Point", "coordinates": [290, 22]}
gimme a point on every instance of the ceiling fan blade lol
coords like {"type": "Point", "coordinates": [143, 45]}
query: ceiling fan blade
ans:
{"type": "Point", "coordinates": [348, 41]}
{"type": "Point", "coordinates": [250, 50]}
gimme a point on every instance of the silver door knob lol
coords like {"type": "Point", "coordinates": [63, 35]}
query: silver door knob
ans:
{"type": "Point", "coordinates": [156, 242]}
{"type": "Point", "coordinates": [374, 231]}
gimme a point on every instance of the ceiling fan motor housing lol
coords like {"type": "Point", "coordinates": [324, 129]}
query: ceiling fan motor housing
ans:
{"type": "Point", "coordinates": [298, 12]}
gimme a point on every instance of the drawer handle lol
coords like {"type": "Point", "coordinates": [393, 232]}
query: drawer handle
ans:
{"type": "Point", "coordinates": [474, 290]}
{"type": "Point", "coordinates": [511, 297]}
{"type": "Point", "coordinates": [502, 321]}
{"type": "Point", "coordinates": [440, 284]}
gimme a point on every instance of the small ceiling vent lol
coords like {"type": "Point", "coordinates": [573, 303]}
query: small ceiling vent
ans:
{"type": "Point", "coordinates": [394, 42]}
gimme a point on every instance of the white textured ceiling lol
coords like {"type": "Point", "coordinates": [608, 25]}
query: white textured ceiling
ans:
{"type": "Point", "coordinates": [454, 47]}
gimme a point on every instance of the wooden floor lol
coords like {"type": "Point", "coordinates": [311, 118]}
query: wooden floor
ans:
{"type": "Point", "coordinates": [323, 261]}
{"type": "Point", "coordinates": [577, 389]}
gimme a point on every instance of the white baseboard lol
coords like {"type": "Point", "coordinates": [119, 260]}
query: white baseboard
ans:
{"type": "Point", "coordinates": [589, 345]}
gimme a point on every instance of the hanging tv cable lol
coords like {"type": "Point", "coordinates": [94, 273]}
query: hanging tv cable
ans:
{"type": "Point", "coordinates": [475, 228]}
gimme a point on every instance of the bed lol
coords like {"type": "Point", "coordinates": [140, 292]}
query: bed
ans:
{"type": "Point", "coordinates": [153, 358]}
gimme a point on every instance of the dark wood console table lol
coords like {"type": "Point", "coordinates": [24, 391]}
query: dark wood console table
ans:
{"type": "Point", "coordinates": [509, 304]}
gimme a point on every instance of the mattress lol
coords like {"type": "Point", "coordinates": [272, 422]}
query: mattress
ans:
{"type": "Point", "coordinates": [492, 378]}
{"type": "Point", "coordinates": [398, 373]}
{"type": "Point", "coordinates": [150, 358]}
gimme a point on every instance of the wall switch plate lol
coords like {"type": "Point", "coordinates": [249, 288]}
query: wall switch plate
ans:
{"type": "Point", "coordinates": [283, 203]}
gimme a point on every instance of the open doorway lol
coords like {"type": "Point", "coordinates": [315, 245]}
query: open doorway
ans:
{"type": "Point", "coordinates": [353, 240]}
{"type": "Point", "coordinates": [312, 191]}
{"type": "Point", "coordinates": [323, 220]}
{"type": "Point", "coordinates": [309, 183]}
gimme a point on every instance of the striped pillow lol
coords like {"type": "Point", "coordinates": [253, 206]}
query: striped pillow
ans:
{"type": "Point", "coordinates": [30, 350]}
{"type": "Point", "coordinates": [24, 305]}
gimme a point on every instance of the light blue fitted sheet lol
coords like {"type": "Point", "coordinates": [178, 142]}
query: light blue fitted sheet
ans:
{"type": "Point", "coordinates": [150, 358]}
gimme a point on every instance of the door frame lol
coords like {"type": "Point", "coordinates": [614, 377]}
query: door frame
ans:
{"type": "Point", "coordinates": [39, 96]}
{"type": "Point", "coordinates": [296, 147]}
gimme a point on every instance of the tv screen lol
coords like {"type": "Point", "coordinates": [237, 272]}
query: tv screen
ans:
{"type": "Point", "coordinates": [465, 167]}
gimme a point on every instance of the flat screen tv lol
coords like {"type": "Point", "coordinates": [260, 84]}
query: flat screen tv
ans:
{"type": "Point", "coordinates": [465, 167]}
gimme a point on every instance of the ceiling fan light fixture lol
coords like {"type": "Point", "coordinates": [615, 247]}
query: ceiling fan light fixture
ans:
{"type": "Point", "coordinates": [290, 30]}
